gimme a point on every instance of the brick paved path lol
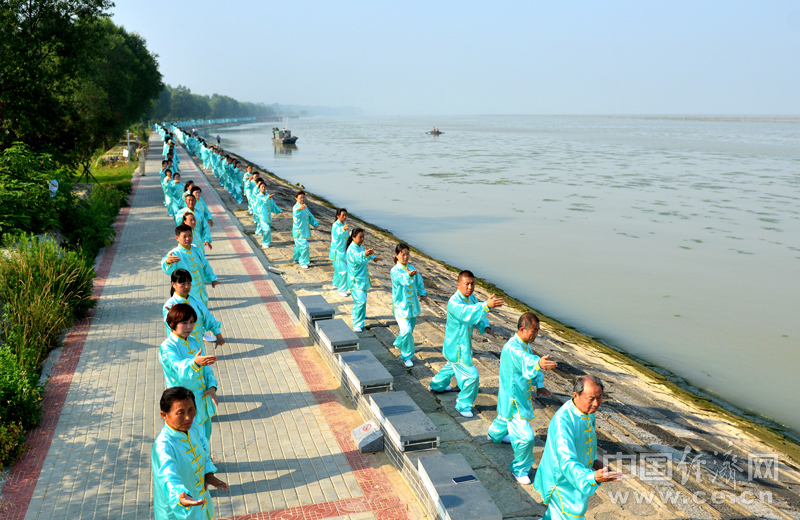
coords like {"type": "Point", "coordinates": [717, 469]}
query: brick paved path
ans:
{"type": "Point", "coordinates": [281, 439]}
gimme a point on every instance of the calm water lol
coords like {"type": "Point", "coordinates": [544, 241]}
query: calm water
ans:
{"type": "Point", "coordinates": [677, 241]}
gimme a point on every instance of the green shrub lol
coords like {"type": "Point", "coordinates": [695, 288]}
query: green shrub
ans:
{"type": "Point", "coordinates": [12, 443]}
{"type": "Point", "coordinates": [20, 393]}
{"type": "Point", "coordinates": [25, 202]}
{"type": "Point", "coordinates": [20, 406]}
{"type": "Point", "coordinates": [91, 220]}
{"type": "Point", "coordinates": [43, 288]}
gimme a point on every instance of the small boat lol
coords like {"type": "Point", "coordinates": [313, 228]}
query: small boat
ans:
{"type": "Point", "coordinates": [283, 136]}
{"type": "Point", "coordinates": [435, 132]}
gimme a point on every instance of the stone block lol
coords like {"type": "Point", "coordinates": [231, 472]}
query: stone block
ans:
{"type": "Point", "coordinates": [364, 372]}
{"type": "Point", "coordinates": [406, 426]}
{"type": "Point", "coordinates": [336, 336]}
{"type": "Point", "coordinates": [368, 437]}
{"type": "Point", "coordinates": [464, 501]}
{"type": "Point", "coordinates": [314, 307]}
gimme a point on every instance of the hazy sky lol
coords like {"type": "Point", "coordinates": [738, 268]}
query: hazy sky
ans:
{"type": "Point", "coordinates": [465, 57]}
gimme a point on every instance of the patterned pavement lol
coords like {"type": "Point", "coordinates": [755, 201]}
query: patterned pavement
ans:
{"type": "Point", "coordinates": [282, 436]}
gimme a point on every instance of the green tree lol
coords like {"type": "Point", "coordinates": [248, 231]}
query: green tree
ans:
{"type": "Point", "coordinates": [45, 45]}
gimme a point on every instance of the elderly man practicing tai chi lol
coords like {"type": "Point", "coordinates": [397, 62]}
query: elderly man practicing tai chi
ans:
{"type": "Point", "coordinates": [570, 471]}
{"type": "Point", "coordinates": [182, 468]}
{"type": "Point", "coordinates": [520, 376]}
{"type": "Point", "coordinates": [463, 313]}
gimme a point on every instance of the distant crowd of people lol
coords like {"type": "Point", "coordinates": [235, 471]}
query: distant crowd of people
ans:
{"type": "Point", "coordinates": [569, 471]}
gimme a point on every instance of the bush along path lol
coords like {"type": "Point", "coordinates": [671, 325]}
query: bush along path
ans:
{"type": "Point", "coordinates": [44, 288]}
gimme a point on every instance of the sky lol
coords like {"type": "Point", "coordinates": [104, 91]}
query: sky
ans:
{"type": "Point", "coordinates": [467, 57]}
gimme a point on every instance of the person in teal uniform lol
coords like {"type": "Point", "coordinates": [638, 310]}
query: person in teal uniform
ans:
{"type": "Point", "coordinates": [201, 233]}
{"type": "Point", "coordinates": [265, 207]}
{"type": "Point", "coordinates": [358, 275]}
{"type": "Point", "coordinates": [202, 211]}
{"type": "Point", "coordinates": [520, 378]}
{"type": "Point", "coordinates": [407, 290]}
{"type": "Point", "coordinates": [175, 194]}
{"type": "Point", "coordinates": [188, 218]}
{"type": "Point", "coordinates": [185, 364]}
{"type": "Point", "coordinates": [302, 222]}
{"type": "Point", "coordinates": [181, 463]}
{"type": "Point", "coordinates": [180, 292]}
{"type": "Point", "coordinates": [166, 185]}
{"type": "Point", "coordinates": [570, 472]}
{"type": "Point", "coordinates": [338, 252]}
{"type": "Point", "coordinates": [463, 313]}
{"type": "Point", "coordinates": [188, 256]}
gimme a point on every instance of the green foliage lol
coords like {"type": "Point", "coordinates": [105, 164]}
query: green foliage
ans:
{"type": "Point", "coordinates": [20, 392]}
{"type": "Point", "coordinates": [90, 219]}
{"type": "Point", "coordinates": [20, 409]}
{"type": "Point", "coordinates": [12, 443]}
{"type": "Point", "coordinates": [70, 79]}
{"type": "Point", "coordinates": [25, 202]}
{"type": "Point", "coordinates": [178, 103]}
{"type": "Point", "coordinates": [43, 288]}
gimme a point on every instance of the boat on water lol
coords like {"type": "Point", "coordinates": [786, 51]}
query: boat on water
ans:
{"type": "Point", "coordinates": [435, 132]}
{"type": "Point", "coordinates": [283, 136]}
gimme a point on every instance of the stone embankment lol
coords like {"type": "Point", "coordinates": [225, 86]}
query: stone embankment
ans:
{"type": "Point", "coordinates": [683, 457]}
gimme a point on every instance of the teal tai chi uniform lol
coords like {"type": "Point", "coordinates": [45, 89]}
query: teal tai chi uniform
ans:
{"type": "Point", "coordinates": [202, 213]}
{"type": "Point", "coordinates": [194, 261]}
{"type": "Point", "coordinates": [462, 315]}
{"type": "Point", "coordinates": [358, 275]}
{"type": "Point", "coordinates": [338, 255]}
{"type": "Point", "coordinates": [180, 461]}
{"type": "Point", "coordinates": [302, 220]}
{"type": "Point", "coordinates": [264, 208]}
{"type": "Point", "coordinates": [565, 478]}
{"type": "Point", "coordinates": [520, 377]}
{"type": "Point", "coordinates": [201, 233]}
{"type": "Point", "coordinates": [406, 291]}
{"type": "Point", "coordinates": [177, 360]}
{"type": "Point", "coordinates": [205, 320]}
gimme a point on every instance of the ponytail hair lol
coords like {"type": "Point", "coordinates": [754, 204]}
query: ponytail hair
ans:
{"type": "Point", "coordinates": [179, 276]}
{"type": "Point", "coordinates": [354, 234]}
{"type": "Point", "coordinates": [400, 247]}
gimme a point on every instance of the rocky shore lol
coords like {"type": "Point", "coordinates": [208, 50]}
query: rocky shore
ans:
{"type": "Point", "coordinates": [683, 456]}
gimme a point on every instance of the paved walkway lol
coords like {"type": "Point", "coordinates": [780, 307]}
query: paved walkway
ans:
{"type": "Point", "coordinates": [281, 439]}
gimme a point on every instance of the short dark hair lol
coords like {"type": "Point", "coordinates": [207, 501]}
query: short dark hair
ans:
{"type": "Point", "coordinates": [176, 393]}
{"type": "Point", "coordinates": [299, 192]}
{"type": "Point", "coordinates": [179, 276]}
{"type": "Point", "coordinates": [527, 321]}
{"type": "Point", "coordinates": [196, 188]}
{"type": "Point", "coordinates": [179, 313]}
{"type": "Point", "coordinates": [465, 274]}
{"type": "Point", "coordinates": [180, 229]}
{"type": "Point", "coordinates": [340, 211]}
{"type": "Point", "coordinates": [190, 194]}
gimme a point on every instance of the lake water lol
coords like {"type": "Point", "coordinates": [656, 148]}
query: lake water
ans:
{"type": "Point", "coordinates": [677, 241]}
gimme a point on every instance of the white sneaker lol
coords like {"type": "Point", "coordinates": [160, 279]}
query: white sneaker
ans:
{"type": "Point", "coordinates": [408, 363]}
{"type": "Point", "coordinates": [468, 414]}
{"type": "Point", "coordinates": [507, 439]}
{"type": "Point", "coordinates": [357, 330]}
{"type": "Point", "coordinates": [524, 480]}
{"type": "Point", "coordinates": [430, 389]}
{"type": "Point", "coordinates": [343, 293]}
{"type": "Point", "coordinates": [303, 266]}
{"type": "Point", "coordinates": [257, 233]}
{"type": "Point", "coordinates": [334, 288]}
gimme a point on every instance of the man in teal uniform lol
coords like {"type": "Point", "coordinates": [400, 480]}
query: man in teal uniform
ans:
{"type": "Point", "coordinates": [463, 313]}
{"type": "Point", "coordinates": [181, 465]}
{"type": "Point", "coordinates": [302, 222]}
{"type": "Point", "coordinates": [520, 377]}
{"type": "Point", "coordinates": [188, 256]}
{"type": "Point", "coordinates": [570, 471]}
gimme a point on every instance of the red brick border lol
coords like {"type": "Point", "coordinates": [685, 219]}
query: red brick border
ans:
{"type": "Point", "coordinates": [379, 495]}
{"type": "Point", "coordinates": [21, 482]}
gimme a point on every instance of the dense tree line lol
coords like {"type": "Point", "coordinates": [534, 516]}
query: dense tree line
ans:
{"type": "Point", "coordinates": [70, 80]}
{"type": "Point", "coordinates": [178, 103]}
